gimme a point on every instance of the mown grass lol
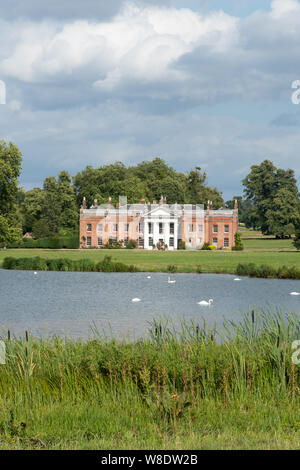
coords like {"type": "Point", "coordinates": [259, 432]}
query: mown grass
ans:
{"type": "Point", "coordinates": [185, 261]}
{"type": "Point", "coordinates": [172, 390]}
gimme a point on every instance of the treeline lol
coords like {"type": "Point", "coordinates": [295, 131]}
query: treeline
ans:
{"type": "Point", "coordinates": [54, 209]}
{"type": "Point", "coordinates": [270, 203]}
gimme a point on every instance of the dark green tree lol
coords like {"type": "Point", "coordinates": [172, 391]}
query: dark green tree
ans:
{"type": "Point", "coordinates": [10, 167]}
{"type": "Point", "coordinates": [268, 187]}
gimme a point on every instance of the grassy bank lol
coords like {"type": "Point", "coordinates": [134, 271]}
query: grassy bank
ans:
{"type": "Point", "coordinates": [173, 390]}
{"type": "Point", "coordinates": [185, 261]}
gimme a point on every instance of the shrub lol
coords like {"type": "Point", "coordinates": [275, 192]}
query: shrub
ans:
{"type": "Point", "coordinates": [9, 262]}
{"type": "Point", "coordinates": [211, 247]}
{"type": "Point", "coordinates": [131, 244]}
{"type": "Point", "coordinates": [172, 268]}
{"type": "Point", "coordinates": [238, 244]}
{"type": "Point", "coordinates": [181, 245]}
{"type": "Point", "coordinates": [205, 246]}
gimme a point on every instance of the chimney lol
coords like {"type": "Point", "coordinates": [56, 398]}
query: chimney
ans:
{"type": "Point", "coordinates": [142, 201]}
{"type": "Point", "coordinates": [83, 203]}
{"type": "Point", "coordinates": [235, 204]}
{"type": "Point", "coordinates": [161, 200]}
{"type": "Point", "coordinates": [165, 200]}
{"type": "Point", "coordinates": [109, 201]}
{"type": "Point", "coordinates": [117, 205]}
{"type": "Point", "coordinates": [95, 202]}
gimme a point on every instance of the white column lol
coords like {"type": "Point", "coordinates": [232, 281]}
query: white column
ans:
{"type": "Point", "coordinates": [175, 234]}
{"type": "Point", "coordinates": [146, 235]}
{"type": "Point", "coordinates": [167, 232]}
{"type": "Point", "coordinates": [155, 232]}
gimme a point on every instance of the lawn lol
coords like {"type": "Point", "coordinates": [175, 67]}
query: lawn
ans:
{"type": "Point", "coordinates": [185, 261]}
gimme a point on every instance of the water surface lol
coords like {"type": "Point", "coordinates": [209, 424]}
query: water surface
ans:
{"type": "Point", "coordinates": [68, 303]}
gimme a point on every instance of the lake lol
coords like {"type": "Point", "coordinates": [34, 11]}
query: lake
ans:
{"type": "Point", "coordinates": [68, 303]}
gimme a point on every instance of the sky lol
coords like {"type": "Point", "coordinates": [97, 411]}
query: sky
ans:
{"type": "Point", "coordinates": [198, 83]}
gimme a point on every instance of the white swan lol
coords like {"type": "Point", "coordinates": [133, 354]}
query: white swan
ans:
{"type": "Point", "coordinates": [206, 304]}
{"type": "Point", "coordinates": [136, 299]}
{"type": "Point", "coordinates": [148, 277]}
{"type": "Point", "coordinates": [170, 282]}
{"type": "Point", "coordinates": [35, 272]}
{"type": "Point", "coordinates": [294, 293]}
{"type": "Point", "coordinates": [237, 279]}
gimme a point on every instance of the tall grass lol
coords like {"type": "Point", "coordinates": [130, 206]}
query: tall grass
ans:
{"type": "Point", "coordinates": [266, 271]}
{"type": "Point", "coordinates": [65, 264]}
{"type": "Point", "coordinates": [174, 386]}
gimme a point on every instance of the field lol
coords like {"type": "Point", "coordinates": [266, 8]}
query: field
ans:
{"type": "Point", "coordinates": [172, 390]}
{"type": "Point", "coordinates": [185, 261]}
{"type": "Point", "coordinates": [257, 249]}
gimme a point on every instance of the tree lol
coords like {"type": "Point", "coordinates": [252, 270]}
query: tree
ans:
{"type": "Point", "coordinates": [199, 193]}
{"type": "Point", "coordinates": [66, 204]}
{"type": "Point", "coordinates": [272, 190]}
{"type": "Point", "coordinates": [31, 208]}
{"type": "Point", "coordinates": [10, 167]}
{"type": "Point", "coordinates": [238, 244]}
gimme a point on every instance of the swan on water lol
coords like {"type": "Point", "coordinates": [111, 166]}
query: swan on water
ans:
{"type": "Point", "coordinates": [206, 304]}
{"type": "Point", "coordinates": [136, 299]}
{"type": "Point", "coordinates": [35, 272]}
{"type": "Point", "coordinates": [237, 279]}
{"type": "Point", "coordinates": [294, 293]}
{"type": "Point", "coordinates": [148, 277]}
{"type": "Point", "coordinates": [170, 282]}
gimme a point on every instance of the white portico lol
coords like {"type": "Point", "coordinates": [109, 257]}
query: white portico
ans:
{"type": "Point", "coordinates": [161, 225]}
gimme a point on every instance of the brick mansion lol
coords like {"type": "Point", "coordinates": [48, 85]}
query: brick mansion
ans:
{"type": "Point", "coordinates": [157, 224]}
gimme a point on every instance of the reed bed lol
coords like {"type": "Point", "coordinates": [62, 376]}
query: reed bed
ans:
{"type": "Point", "coordinates": [188, 387]}
{"type": "Point", "coordinates": [65, 264]}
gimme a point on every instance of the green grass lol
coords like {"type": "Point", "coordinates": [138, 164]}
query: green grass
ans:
{"type": "Point", "coordinates": [185, 261]}
{"type": "Point", "coordinates": [172, 390]}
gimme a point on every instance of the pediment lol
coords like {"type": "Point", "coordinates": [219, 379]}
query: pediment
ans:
{"type": "Point", "coordinates": [159, 211]}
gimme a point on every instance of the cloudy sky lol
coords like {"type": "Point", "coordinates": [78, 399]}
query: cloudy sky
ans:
{"type": "Point", "coordinates": [196, 82]}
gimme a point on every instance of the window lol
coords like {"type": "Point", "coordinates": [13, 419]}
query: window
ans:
{"type": "Point", "coordinates": [200, 241]}
{"type": "Point", "coordinates": [115, 228]}
{"type": "Point", "coordinates": [140, 227]}
{"type": "Point", "coordinates": [191, 228]}
{"type": "Point", "coordinates": [141, 241]}
{"type": "Point", "coordinates": [150, 241]}
{"type": "Point", "coordinates": [200, 228]}
{"type": "Point", "coordinates": [89, 227]}
{"type": "Point", "coordinates": [99, 241]}
{"type": "Point", "coordinates": [150, 228]}
{"type": "Point", "coordinates": [215, 241]}
{"type": "Point", "coordinates": [215, 229]}
{"type": "Point", "coordinates": [161, 230]}
{"type": "Point", "coordinates": [171, 241]}
{"type": "Point", "coordinates": [190, 240]}
{"type": "Point", "coordinates": [172, 227]}
{"type": "Point", "coordinates": [113, 240]}
{"type": "Point", "coordinates": [126, 241]}
{"type": "Point", "coordinates": [226, 242]}
{"type": "Point", "coordinates": [99, 228]}
{"type": "Point", "coordinates": [126, 227]}
{"type": "Point", "coordinates": [226, 228]}
{"type": "Point", "coordinates": [88, 241]}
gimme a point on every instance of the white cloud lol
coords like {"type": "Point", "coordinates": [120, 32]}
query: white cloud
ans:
{"type": "Point", "coordinates": [140, 43]}
{"type": "Point", "coordinates": [283, 7]}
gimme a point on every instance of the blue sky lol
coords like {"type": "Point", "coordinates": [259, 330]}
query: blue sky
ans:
{"type": "Point", "coordinates": [199, 83]}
